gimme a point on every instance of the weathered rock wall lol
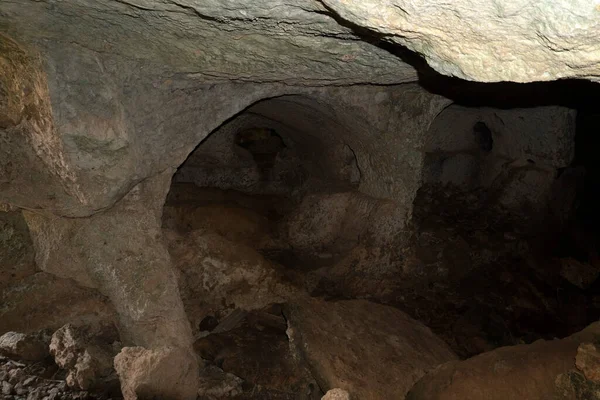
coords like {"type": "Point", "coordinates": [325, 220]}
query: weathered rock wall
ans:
{"type": "Point", "coordinates": [514, 154]}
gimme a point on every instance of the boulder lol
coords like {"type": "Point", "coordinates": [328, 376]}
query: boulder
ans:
{"type": "Point", "coordinates": [225, 275]}
{"type": "Point", "coordinates": [580, 274]}
{"type": "Point", "coordinates": [538, 371]}
{"type": "Point", "coordinates": [163, 373]}
{"type": "Point", "coordinates": [336, 394]}
{"type": "Point", "coordinates": [370, 350]}
{"type": "Point", "coordinates": [515, 41]}
{"type": "Point", "coordinates": [22, 346]}
{"type": "Point", "coordinates": [85, 353]}
{"type": "Point", "coordinates": [588, 361]}
{"type": "Point", "coordinates": [216, 384]}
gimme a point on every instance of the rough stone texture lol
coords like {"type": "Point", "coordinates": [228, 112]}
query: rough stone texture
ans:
{"type": "Point", "coordinates": [336, 394]}
{"type": "Point", "coordinates": [329, 224]}
{"type": "Point", "coordinates": [22, 346]}
{"type": "Point", "coordinates": [44, 301]}
{"type": "Point", "coordinates": [86, 352]}
{"type": "Point", "coordinates": [139, 124]}
{"type": "Point", "coordinates": [312, 150]}
{"type": "Point", "coordinates": [588, 361]}
{"type": "Point", "coordinates": [582, 275]}
{"type": "Point", "coordinates": [104, 132]}
{"type": "Point", "coordinates": [217, 275]}
{"type": "Point", "coordinates": [565, 193]}
{"type": "Point", "coordinates": [517, 164]}
{"type": "Point", "coordinates": [318, 42]}
{"type": "Point", "coordinates": [347, 241]}
{"type": "Point", "coordinates": [574, 386]}
{"type": "Point", "coordinates": [518, 372]}
{"type": "Point", "coordinates": [38, 380]}
{"type": "Point", "coordinates": [257, 352]}
{"type": "Point", "coordinates": [518, 41]}
{"type": "Point", "coordinates": [233, 222]}
{"type": "Point", "coordinates": [214, 40]}
{"type": "Point", "coordinates": [215, 384]}
{"type": "Point", "coordinates": [122, 253]}
{"type": "Point", "coordinates": [161, 373]}
{"type": "Point", "coordinates": [16, 251]}
{"type": "Point", "coordinates": [26, 115]}
{"type": "Point", "coordinates": [331, 337]}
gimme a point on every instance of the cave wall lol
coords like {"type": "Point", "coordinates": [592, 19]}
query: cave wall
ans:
{"type": "Point", "coordinates": [113, 134]}
{"type": "Point", "coordinates": [221, 162]}
{"type": "Point", "coordinates": [515, 156]}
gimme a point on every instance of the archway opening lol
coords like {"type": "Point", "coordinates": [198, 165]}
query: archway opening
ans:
{"type": "Point", "coordinates": [263, 210]}
{"type": "Point", "coordinates": [503, 225]}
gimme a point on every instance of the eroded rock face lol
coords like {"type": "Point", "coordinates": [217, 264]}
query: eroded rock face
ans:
{"type": "Point", "coordinates": [161, 373]}
{"type": "Point", "coordinates": [514, 155]}
{"type": "Point", "coordinates": [122, 254]}
{"type": "Point", "coordinates": [87, 353]}
{"type": "Point", "coordinates": [271, 40]}
{"type": "Point", "coordinates": [16, 252]}
{"type": "Point", "coordinates": [107, 243]}
{"type": "Point", "coordinates": [331, 337]}
{"type": "Point", "coordinates": [22, 346]}
{"type": "Point", "coordinates": [541, 370]}
{"type": "Point", "coordinates": [255, 354]}
{"type": "Point", "coordinates": [43, 301]}
{"type": "Point", "coordinates": [218, 275]}
{"type": "Point", "coordinates": [489, 41]}
{"type": "Point", "coordinates": [216, 41]}
{"type": "Point", "coordinates": [336, 394]}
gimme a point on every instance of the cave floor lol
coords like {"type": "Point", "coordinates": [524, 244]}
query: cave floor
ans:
{"type": "Point", "coordinates": [492, 279]}
{"type": "Point", "coordinates": [480, 279]}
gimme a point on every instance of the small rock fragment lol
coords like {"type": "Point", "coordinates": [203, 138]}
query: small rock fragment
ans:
{"type": "Point", "coordinates": [214, 382]}
{"type": "Point", "coordinates": [336, 394]}
{"type": "Point", "coordinates": [6, 388]}
{"type": "Point", "coordinates": [75, 350]}
{"type": "Point", "coordinates": [15, 375]}
{"type": "Point", "coordinates": [29, 380]}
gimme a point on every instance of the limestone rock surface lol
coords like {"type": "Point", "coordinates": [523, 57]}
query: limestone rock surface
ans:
{"type": "Point", "coordinates": [336, 394]}
{"type": "Point", "coordinates": [491, 41]}
{"type": "Point", "coordinates": [162, 373]}
{"type": "Point", "coordinates": [217, 274]}
{"type": "Point", "coordinates": [43, 301]}
{"type": "Point", "coordinates": [267, 40]}
{"type": "Point", "coordinates": [588, 361]}
{"type": "Point", "coordinates": [371, 351]}
{"type": "Point", "coordinates": [82, 352]}
{"type": "Point", "coordinates": [534, 371]}
{"type": "Point", "coordinates": [22, 346]}
{"type": "Point", "coordinates": [320, 42]}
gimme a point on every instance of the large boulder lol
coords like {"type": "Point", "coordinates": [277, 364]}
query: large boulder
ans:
{"type": "Point", "coordinates": [162, 373]}
{"type": "Point", "coordinates": [538, 371]}
{"type": "Point", "coordinates": [217, 275]}
{"type": "Point", "coordinates": [516, 41]}
{"type": "Point", "coordinates": [370, 350]}
{"type": "Point", "coordinates": [87, 353]}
